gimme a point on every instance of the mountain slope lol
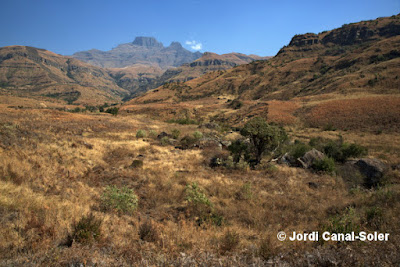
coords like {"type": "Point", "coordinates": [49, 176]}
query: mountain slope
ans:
{"type": "Point", "coordinates": [356, 61]}
{"type": "Point", "coordinates": [143, 50]}
{"type": "Point", "coordinates": [207, 63]}
{"type": "Point", "coordinates": [33, 72]}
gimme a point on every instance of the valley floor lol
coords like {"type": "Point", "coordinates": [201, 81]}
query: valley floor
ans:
{"type": "Point", "coordinates": [55, 167]}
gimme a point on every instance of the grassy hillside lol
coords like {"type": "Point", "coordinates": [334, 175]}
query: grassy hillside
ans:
{"type": "Point", "coordinates": [357, 61]}
{"type": "Point", "coordinates": [32, 72]}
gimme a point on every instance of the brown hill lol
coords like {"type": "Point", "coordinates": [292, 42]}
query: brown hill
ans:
{"type": "Point", "coordinates": [355, 61]}
{"type": "Point", "coordinates": [207, 63]}
{"type": "Point", "coordinates": [33, 72]}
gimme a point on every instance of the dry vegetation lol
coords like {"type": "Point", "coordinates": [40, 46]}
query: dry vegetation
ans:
{"type": "Point", "coordinates": [55, 166]}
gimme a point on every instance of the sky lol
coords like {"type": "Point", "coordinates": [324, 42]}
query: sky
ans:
{"type": "Point", "coordinates": [258, 27]}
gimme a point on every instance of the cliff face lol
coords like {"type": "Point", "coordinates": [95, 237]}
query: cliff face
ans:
{"type": "Point", "coordinates": [143, 50]}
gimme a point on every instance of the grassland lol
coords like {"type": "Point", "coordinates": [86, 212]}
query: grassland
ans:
{"type": "Point", "coordinates": [55, 166]}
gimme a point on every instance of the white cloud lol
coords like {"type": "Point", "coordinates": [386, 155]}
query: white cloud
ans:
{"type": "Point", "coordinates": [194, 45]}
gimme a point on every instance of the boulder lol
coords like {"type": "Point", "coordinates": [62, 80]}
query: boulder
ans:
{"type": "Point", "coordinates": [310, 157]}
{"type": "Point", "coordinates": [210, 143]}
{"type": "Point", "coordinates": [372, 169]}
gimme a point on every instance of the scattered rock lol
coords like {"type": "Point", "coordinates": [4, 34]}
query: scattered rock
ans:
{"type": "Point", "coordinates": [210, 143]}
{"type": "Point", "coordinates": [372, 169]}
{"type": "Point", "coordinates": [225, 144]}
{"type": "Point", "coordinates": [210, 125]}
{"type": "Point", "coordinates": [308, 159]}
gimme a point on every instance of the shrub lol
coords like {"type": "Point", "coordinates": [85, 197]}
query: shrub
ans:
{"type": "Point", "coordinates": [148, 232]}
{"type": "Point", "coordinates": [113, 111]}
{"type": "Point", "coordinates": [299, 149]}
{"type": "Point", "coordinates": [239, 149]}
{"type": "Point", "coordinates": [86, 231]}
{"type": "Point", "coordinates": [175, 133]}
{"type": "Point", "coordinates": [188, 142]}
{"type": "Point", "coordinates": [141, 134]}
{"type": "Point", "coordinates": [229, 241]}
{"type": "Point", "coordinates": [153, 134]}
{"type": "Point", "coordinates": [324, 165]}
{"type": "Point", "coordinates": [165, 141]}
{"type": "Point", "coordinates": [197, 135]}
{"type": "Point", "coordinates": [245, 192]}
{"type": "Point", "coordinates": [199, 203]}
{"type": "Point", "coordinates": [340, 151]}
{"type": "Point", "coordinates": [374, 217]}
{"type": "Point", "coordinates": [184, 121]}
{"type": "Point", "coordinates": [122, 200]}
{"type": "Point", "coordinates": [344, 223]}
{"type": "Point", "coordinates": [263, 136]}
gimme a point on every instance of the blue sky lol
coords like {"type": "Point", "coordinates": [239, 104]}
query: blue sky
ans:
{"type": "Point", "coordinates": [252, 27]}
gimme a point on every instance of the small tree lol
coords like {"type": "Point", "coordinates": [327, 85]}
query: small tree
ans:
{"type": "Point", "coordinates": [263, 136]}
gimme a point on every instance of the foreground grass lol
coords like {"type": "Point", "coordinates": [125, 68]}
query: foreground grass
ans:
{"type": "Point", "coordinates": [55, 166]}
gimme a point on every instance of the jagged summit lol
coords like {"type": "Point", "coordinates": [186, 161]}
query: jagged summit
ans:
{"type": "Point", "coordinates": [147, 42]}
{"type": "Point", "coordinates": [143, 50]}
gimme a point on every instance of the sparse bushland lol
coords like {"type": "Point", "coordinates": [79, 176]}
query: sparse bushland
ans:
{"type": "Point", "coordinates": [52, 179]}
{"type": "Point", "coordinates": [86, 231]}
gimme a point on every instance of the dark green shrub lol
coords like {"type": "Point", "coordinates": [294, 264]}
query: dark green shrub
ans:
{"type": "Point", "coordinates": [153, 134]}
{"type": "Point", "coordinates": [188, 142]}
{"type": "Point", "coordinates": [239, 149]}
{"type": "Point", "coordinates": [122, 200]}
{"type": "Point", "coordinates": [299, 149]}
{"type": "Point", "coordinates": [340, 151]}
{"type": "Point", "coordinates": [344, 223]}
{"type": "Point", "coordinates": [175, 133]}
{"type": "Point", "coordinates": [324, 165]}
{"type": "Point", "coordinates": [184, 121]}
{"type": "Point", "coordinates": [86, 231]}
{"type": "Point", "coordinates": [165, 141]}
{"type": "Point", "coordinates": [113, 111]}
{"type": "Point", "coordinates": [374, 217]}
{"type": "Point", "coordinates": [263, 136]}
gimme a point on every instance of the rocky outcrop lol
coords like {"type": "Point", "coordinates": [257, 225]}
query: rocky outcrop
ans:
{"type": "Point", "coordinates": [372, 169]}
{"type": "Point", "coordinates": [147, 42]}
{"type": "Point", "coordinates": [304, 39]}
{"type": "Point", "coordinates": [310, 157]}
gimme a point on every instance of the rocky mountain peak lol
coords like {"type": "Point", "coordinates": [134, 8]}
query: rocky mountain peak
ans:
{"type": "Point", "coordinates": [175, 45]}
{"type": "Point", "coordinates": [147, 42]}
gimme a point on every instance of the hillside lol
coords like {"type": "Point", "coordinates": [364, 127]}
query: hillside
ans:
{"type": "Point", "coordinates": [207, 63]}
{"type": "Point", "coordinates": [33, 72]}
{"type": "Point", "coordinates": [143, 50]}
{"type": "Point", "coordinates": [355, 61]}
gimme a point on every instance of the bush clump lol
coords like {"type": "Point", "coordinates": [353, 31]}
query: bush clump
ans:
{"type": "Point", "coordinates": [341, 151]}
{"type": "Point", "coordinates": [324, 165]}
{"type": "Point", "coordinates": [86, 231]}
{"type": "Point", "coordinates": [175, 133]}
{"type": "Point", "coordinates": [229, 241]}
{"type": "Point", "coordinates": [122, 200]}
{"type": "Point", "coordinates": [188, 142]}
{"type": "Point", "coordinates": [141, 134]}
{"type": "Point", "coordinates": [199, 203]}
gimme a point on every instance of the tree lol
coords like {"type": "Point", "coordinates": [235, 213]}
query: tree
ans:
{"type": "Point", "coordinates": [263, 136]}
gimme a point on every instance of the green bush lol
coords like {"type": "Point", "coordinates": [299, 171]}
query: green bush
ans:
{"type": "Point", "coordinates": [263, 136]}
{"type": "Point", "coordinates": [141, 134]}
{"type": "Point", "coordinates": [86, 231]}
{"type": "Point", "coordinates": [239, 149]}
{"type": "Point", "coordinates": [152, 134]}
{"type": "Point", "coordinates": [197, 135]}
{"type": "Point", "coordinates": [113, 111]}
{"type": "Point", "coordinates": [175, 133]}
{"type": "Point", "coordinates": [122, 200]}
{"type": "Point", "coordinates": [340, 151]}
{"type": "Point", "coordinates": [324, 165]}
{"type": "Point", "coordinates": [188, 142]}
{"type": "Point", "coordinates": [344, 223]}
{"type": "Point", "coordinates": [236, 104]}
{"type": "Point", "coordinates": [199, 203]}
{"type": "Point", "coordinates": [299, 149]}
{"type": "Point", "coordinates": [184, 121]}
{"type": "Point", "coordinates": [165, 141]}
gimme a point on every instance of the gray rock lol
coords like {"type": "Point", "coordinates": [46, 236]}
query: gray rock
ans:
{"type": "Point", "coordinates": [372, 169]}
{"type": "Point", "coordinates": [310, 157]}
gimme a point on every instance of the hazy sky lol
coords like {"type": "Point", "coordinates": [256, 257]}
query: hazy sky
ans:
{"type": "Point", "coordinates": [250, 26]}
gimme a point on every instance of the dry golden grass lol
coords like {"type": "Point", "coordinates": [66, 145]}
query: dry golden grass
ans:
{"type": "Point", "coordinates": [54, 167]}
